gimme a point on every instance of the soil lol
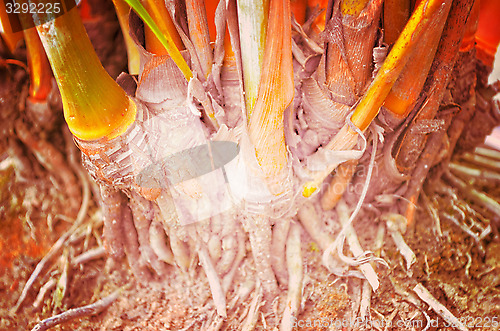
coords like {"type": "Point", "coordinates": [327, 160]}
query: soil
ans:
{"type": "Point", "coordinates": [461, 274]}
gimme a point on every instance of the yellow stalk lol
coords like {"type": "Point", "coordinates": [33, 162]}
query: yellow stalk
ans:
{"type": "Point", "coordinates": [40, 72]}
{"type": "Point", "coordinates": [199, 33]}
{"type": "Point", "coordinates": [353, 7]}
{"type": "Point", "coordinates": [275, 95]}
{"type": "Point", "coordinates": [252, 20]}
{"type": "Point", "coordinates": [122, 11]}
{"type": "Point", "coordinates": [95, 107]}
{"type": "Point", "coordinates": [407, 88]}
{"type": "Point", "coordinates": [396, 14]}
{"type": "Point", "coordinates": [373, 99]}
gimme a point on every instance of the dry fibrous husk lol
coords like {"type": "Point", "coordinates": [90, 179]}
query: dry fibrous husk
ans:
{"type": "Point", "coordinates": [349, 55]}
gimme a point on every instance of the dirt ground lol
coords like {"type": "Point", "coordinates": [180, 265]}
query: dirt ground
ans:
{"type": "Point", "coordinates": [461, 273]}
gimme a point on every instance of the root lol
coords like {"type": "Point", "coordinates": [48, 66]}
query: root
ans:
{"type": "Point", "coordinates": [253, 311]}
{"type": "Point", "coordinates": [441, 310]}
{"type": "Point", "coordinates": [57, 245]}
{"type": "Point", "coordinates": [90, 255]}
{"type": "Point", "coordinates": [396, 224]}
{"type": "Point", "coordinates": [311, 222]}
{"type": "Point", "coordinates": [364, 307]}
{"type": "Point", "coordinates": [240, 255]}
{"type": "Point", "coordinates": [111, 203]}
{"type": "Point", "coordinates": [142, 211]}
{"type": "Point", "coordinates": [218, 294]}
{"type": "Point", "coordinates": [49, 285]}
{"type": "Point", "coordinates": [278, 260]}
{"type": "Point", "coordinates": [180, 249]}
{"type": "Point", "coordinates": [158, 240]}
{"type": "Point", "coordinates": [92, 309]}
{"type": "Point", "coordinates": [478, 197]}
{"type": "Point", "coordinates": [229, 251]}
{"type": "Point", "coordinates": [131, 246]}
{"type": "Point", "coordinates": [295, 271]}
{"type": "Point", "coordinates": [52, 160]}
{"type": "Point", "coordinates": [355, 247]}
{"type": "Point", "coordinates": [259, 231]}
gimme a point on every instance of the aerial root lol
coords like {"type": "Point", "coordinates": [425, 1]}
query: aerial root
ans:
{"type": "Point", "coordinates": [252, 315]}
{"type": "Point", "coordinates": [240, 255]}
{"type": "Point", "coordinates": [396, 225]}
{"type": "Point", "coordinates": [49, 285]}
{"type": "Point", "coordinates": [477, 197]}
{"type": "Point", "coordinates": [295, 272]}
{"type": "Point", "coordinates": [228, 254]}
{"type": "Point", "coordinates": [441, 310]}
{"type": "Point", "coordinates": [355, 247]}
{"type": "Point", "coordinates": [143, 214]}
{"type": "Point", "coordinates": [180, 249]}
{"type": "Point", "coordinates": [112, 201]}
{"type": "Point", "coordinates": [259, 232]}
{"type": "Point", "coordinates": [313, 225]}
{"type": "Point", "coordinates": [364, 306]}
{"type": "Point", "coordinates": [278, 243]}
{"type": "Point", "coordinates": [92, 309]}
{"type": "Point", "coordinates": [228, 229]}
{"type": "Point", "coordinates": [218, 293]}
{"type": "Point", "coordinates": [91, 254]}
{"type": "Point", "coordinates": [430, 206]}
{"type": "Point", "coordinates": [472, 172]}
{"type": "Point", "coordinates": [159, 240]}
{"type": "Point", "coordinates": [131, 247]}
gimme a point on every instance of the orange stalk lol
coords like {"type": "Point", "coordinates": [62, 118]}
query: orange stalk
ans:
{"type": "Point", "coordinates": [199, 33]}
{"type": "Point", "coordinates": [488, 30]}
{"type": "Point", "coordinates": [407, 88]}
{"type": "Point", "coordinates": [40, 72]}
{"type": "Point", "coordinates": [338, 184]}
{"type": "Point", "coordinates": [161, 16]}
{"type": "Point", "coordinates": [94, 105]}
{"type": "Point", "coordinates": [276, 90]}
{"type": "Point", "coordinates": [403, 49]}
{"type": "Point", "coordinates": [437, 82]}
{"type": "Point", "coordinates": [396, 14]}
{"type": "Point", "coordinates": [350, 55]}
{"type": "Point", "coordinates": [319, 22]}
{"type": "Point", "coordinates": [211, 7]}
{"type": "Point", "coordinates": [299, 8]}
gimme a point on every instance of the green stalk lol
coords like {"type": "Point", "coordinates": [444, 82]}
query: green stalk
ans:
{"type": "Point", "coordinates": [95, 107]}
{"type": "Point", "coordinates": [252, 19]}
